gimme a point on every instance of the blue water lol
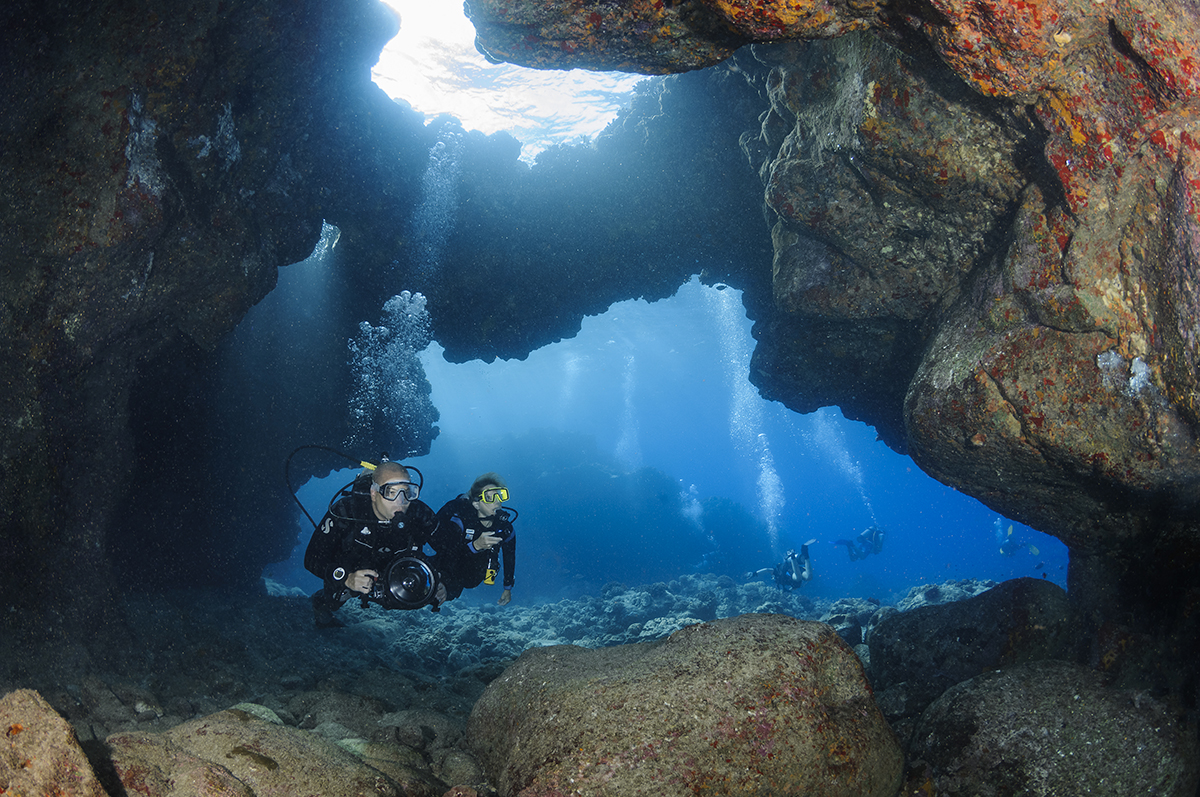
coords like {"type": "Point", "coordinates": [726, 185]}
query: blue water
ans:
{"type": "Point", "coordinates": [638, 450]}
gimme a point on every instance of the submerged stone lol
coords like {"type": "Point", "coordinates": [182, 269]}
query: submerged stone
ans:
{"type": "Point", "coordinates": [756, 704]}
{"type": "Point", "coordinates": [918, 654]}
{"type": "Point", "coordinates": [42, 755]}
{"type": "Point", "coordinates": [237, 752]}
{"type": "Point", "coordinates": [1052, 727]}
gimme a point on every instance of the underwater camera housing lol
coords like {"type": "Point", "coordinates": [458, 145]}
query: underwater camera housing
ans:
{"type": "Point", "coordinates": [407, 583]}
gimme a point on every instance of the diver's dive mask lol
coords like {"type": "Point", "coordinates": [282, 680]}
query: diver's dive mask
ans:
{"type": "Point", "coordinates": [494, 495]}
{"type": "Point", "coordinates": [390, 491]}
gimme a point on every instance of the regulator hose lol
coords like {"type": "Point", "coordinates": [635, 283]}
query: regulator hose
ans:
{"type": "Point", "coordinates": [287, 473]}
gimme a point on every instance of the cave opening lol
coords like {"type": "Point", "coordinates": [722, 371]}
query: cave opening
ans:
{"type": "Point", "coordinates": [638, 451]}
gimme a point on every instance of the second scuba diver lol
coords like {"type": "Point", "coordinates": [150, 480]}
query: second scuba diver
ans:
{"type": "Point", "coordinates": [473, 531]}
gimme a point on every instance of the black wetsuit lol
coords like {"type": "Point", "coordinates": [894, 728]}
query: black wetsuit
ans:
{"type": "Point", "coordinates": [350, 537]}
{"type": "Point", "coordinates": [461, 566]}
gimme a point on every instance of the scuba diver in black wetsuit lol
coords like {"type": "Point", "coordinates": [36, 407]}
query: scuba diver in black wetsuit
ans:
{"type": "Point", "coordinates": [473, 531]}
{"type": "Point", "coordinates": [792, 572]}
{"type": "Point", "coordinates": [868, 542]}
{"type": "Point", "coordinates": [371, 542]}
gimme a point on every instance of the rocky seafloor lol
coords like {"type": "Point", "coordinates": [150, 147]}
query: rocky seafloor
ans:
{"type": "Point", "coordinates": [187, 654]}
{"type": "Point", "coordinates": [396, 688]}
{"type": "Point", "coordinates": [462, 635]}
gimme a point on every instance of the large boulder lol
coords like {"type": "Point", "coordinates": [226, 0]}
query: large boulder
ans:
{"type": "Point", "coordinates": [918, 654]}
{"type": "Point", "coordinates": [1052, 727]}
{"type": "Point", "coordinates": [41, 754]}
{"type": "Point", "coordinates": [756, 704]}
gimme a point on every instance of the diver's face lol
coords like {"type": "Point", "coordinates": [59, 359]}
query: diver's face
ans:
{"type": "Point", "coordinates": [386, 509]}
{"type": "Point", "coordinates": [487, 508]}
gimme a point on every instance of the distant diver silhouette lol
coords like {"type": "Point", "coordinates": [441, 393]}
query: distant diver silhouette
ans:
{"type": "Point", "coordinates": [866, 543]}
{"type": "Point", "coordinates": [792, 572]}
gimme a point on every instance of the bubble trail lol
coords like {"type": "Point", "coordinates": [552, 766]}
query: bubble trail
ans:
{"type": "Point", "coordinates": [570, 370]}
{"type": "Point", "coordinates": [745, 410]}
{"type": "Point", "coordinates": [434, 218]}
{"type": "Point", "coordinates": [828, 437]}
{"type": "Point", "coordinates": [629, 449]}
{"type": "Point", "coordinates": [691, 508]}
{"type": "Point", "coordinates": [390, 401]}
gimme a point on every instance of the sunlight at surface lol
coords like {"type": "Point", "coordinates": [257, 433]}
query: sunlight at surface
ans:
{"type": "Point", "coordinates": [434, 66]}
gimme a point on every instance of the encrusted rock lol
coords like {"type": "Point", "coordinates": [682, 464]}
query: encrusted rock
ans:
{"type": "Point", "coordinates": [876, 219]}
{"type": "Point", "coordinates": [946, 592]}
{"type": "Point", "coordinates": [918, 654]}
{"type": "Point", "coordinates": [1049, 728]}
{"type": "Point", "coordinates": [458, 766]}
{"type": "Point", "coordinates": [757, 704]}
{"type": "Point", "coordinates": [850, 617]}
{"type": "Point", "coordinates": [423, 729]}
{"type": "Point", "coordinates": [236, 752]}
{"type": "Point", "coordinates": [40, 752]}
{"type": "Point", "coordinates": [651, 36]}
{"type": "Point", "coordinates": [404, 765]}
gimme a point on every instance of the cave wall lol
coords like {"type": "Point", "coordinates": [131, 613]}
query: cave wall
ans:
{"type": "Point", "coordinates": [984, 234]}
{"type": "Point", "coordinates": [159, 169]}
{"type": "Point", "coordinates": [876, 221]}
